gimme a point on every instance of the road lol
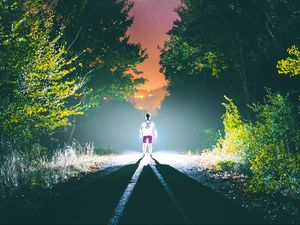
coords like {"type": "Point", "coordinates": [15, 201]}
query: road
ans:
{"type": "Point", "coordinates": [145, 192]}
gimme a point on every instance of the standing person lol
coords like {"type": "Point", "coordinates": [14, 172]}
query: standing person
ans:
{"type": "Point", "coordinates": [147, 131]}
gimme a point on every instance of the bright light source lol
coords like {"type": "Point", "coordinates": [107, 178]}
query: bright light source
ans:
{"type": "Point", "coordinates": [169, 158]}
{"type": "Point", "coordinates": [124, 159]}
{"type": "Point", "coordinates": [139, 96]}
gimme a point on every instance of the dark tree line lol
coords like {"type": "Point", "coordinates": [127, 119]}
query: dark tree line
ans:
{"type": "Point", "coordinates": [58, 60]}
{"type": "Point", "coordinates": [239, 48]}
{"type": "Point", "coordinates": [99, 29]}
{"type": "Point", "coordinates": [237, 42]}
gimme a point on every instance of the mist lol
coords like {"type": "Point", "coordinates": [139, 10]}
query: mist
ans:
{"type": "Point", "coordinates": [187, 119]}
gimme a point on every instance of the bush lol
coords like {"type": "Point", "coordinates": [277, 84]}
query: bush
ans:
{"type": "Point", "coordinates": [210, 137]}
{"type": "Point", "coordinates": [269, 145]}
{"type": "Point", "coordinates": [237, 132]}
{"type": "Point", "coordinates": [274, 147]}
{"type": "Point", "coordinates": [228, 165]}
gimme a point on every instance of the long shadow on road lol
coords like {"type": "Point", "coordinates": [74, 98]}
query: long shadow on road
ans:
{"type": "Point", "coordinates": [203, 205]}
{"type": "Point", "coordinates": [149, 202]}
{"type": "Point", "coordinates": [92, 204]}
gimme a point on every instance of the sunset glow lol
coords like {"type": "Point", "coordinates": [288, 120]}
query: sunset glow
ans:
{"type": "Point", "coordinates": [149, 100]}
{"type": "Point", "coordinates": [152, 19]}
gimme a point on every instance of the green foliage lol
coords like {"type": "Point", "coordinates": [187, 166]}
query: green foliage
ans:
{"type": "Point", "coordinates": [179, 56]}
{"type": "Point", "coordinates": [228, 165]}
{"type": "Point", "coordinates": [229, 39]}
{"type": "Point", "coordinates": [58, 59]}
{"type": "Point", "coordinates": [109, 58]}
{"type": "Point", "coordinates": [237, 133]}
{"type": "Point", "coordinates": [290, 65]}
{"type": "Point", "coordinates": [269, 146]}
{"type": "Point", "coordinates": [276, 172]}
{"type": "Point", "coordinates": [211, 136]}
{"type": "Point", "coordinates": [44, 89]}
{"type": "Point", "coordinates": [274, 147]}
{"type": "Point", "coordinates": [38, 92]}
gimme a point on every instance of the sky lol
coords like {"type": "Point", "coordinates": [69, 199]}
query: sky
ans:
{"type": "Point", "coordinates": [152, 19]}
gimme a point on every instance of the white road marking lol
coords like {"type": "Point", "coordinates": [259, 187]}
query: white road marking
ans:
{"type": "Point", "coordinates": [169, 192]}
{"type": "Point", "coordinates": [118, 212]}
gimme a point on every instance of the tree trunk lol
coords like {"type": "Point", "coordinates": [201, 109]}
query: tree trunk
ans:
{"type": "Point", "coordinates": [72, 130]}
{"type": "Point", "coordinates": [1, 142]}
{"type": "Point", "coordinates": [244, 80]}
{"type": "Point", "coordinates": [242, 70]}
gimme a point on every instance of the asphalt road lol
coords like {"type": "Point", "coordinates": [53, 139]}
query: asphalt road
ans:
{"type": "Point", "coordinates": [146, 192]}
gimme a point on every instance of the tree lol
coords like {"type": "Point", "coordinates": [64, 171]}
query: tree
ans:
{"type": "Point", "coordinates": [98, 28]}
{"type": "Point", "coordinates": [38, 94]}
{"type": "Point", "coordinates": [290, 65]}
{"type": "Point", "coordinates": [61, 58]}
{"type": "Point", "coordinates": [232, 39]}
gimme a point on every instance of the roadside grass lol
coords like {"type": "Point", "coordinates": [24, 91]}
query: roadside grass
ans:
{"type": "Point", "coordinates": [230, 176]}
{"type": "Point", "coordinates": [265, 151]}
{"type": "Point", "coordinates": [216, 160]}
{"type": "Point", "coordinates": [24, 182]}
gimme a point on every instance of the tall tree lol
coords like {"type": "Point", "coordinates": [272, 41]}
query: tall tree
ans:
{"type": "Point", "coordinates": [231, 37]}
{"type": "Point", "coordinates": [98, 28]}
{"type": "Point", "coordinates": [38, 93]}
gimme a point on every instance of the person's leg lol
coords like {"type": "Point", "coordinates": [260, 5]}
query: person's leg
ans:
{"type": "Point", "coordinates": [150, 145]}
{"type": "Point", "coordinates": [144, 148]}
{"type": "Point", "coordinates": [150, 148]}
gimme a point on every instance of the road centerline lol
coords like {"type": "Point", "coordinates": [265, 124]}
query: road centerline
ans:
{"type": "Point", "coordinates": [169, 191]}
{"type": "Point", "coordinates": [118, 212]}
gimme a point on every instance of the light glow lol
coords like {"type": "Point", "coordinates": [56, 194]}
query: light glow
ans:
{"type": "Point", "coordinates": [139, 96]}
{"type": "Point", "coordinates": [163, 157]}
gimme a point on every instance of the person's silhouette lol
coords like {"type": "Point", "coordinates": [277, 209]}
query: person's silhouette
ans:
{"type": "Point", "coordinates": [147, 131]}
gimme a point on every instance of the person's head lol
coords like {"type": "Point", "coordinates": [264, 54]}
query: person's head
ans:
{"type": "Point", "coordinates": [148, 116]}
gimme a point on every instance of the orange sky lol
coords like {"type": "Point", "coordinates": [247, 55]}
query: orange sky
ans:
{"type": "Point", "coordinates": [152, 19]}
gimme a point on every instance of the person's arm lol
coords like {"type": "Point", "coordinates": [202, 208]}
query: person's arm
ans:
{"type": "Point", "coordinates": [141, 131]}
{"type": "Point", "coordinates": [154, 130]}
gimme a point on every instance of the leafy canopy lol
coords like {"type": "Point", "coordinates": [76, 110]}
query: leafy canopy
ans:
{"type": "Point", "coordinates": [290, 65]}
{"type": "Point", "coordinates": [231, 39]}
{"type": "Point", "coordinates": [99, 29]}
{"type": "Point", "coordinates": [38, 92]}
